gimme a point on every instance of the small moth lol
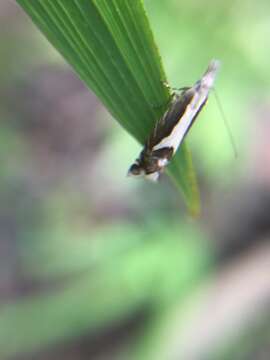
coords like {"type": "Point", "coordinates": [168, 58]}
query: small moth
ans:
{"type": "Point", "coordinates": [171, 129]}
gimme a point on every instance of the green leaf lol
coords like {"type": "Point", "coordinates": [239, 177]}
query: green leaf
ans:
{"type": "Point", "coordinates": [111, 47]}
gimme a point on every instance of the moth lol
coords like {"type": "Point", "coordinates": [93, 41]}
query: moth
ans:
{"type": "Point", "coordinates": [171, 129]}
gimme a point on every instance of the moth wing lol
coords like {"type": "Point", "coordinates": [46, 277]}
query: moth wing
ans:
{"type": "Point", "coordinates": [172, 116]}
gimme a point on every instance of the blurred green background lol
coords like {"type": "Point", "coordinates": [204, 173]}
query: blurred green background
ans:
{"type": "Point", "coordinates": [94, 265]}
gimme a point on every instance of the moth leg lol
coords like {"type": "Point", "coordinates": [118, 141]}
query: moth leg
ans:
{"type": "Point", "coordinates": [184, 88]}
{"type": "Point", "coordinates": [169, 87]}
{"type": "Point", "coordinates": [166, 84]}
{"type": "Point", "coordinates": [181, 89]}
{"type": "Point", "coordinates": [172, 93]}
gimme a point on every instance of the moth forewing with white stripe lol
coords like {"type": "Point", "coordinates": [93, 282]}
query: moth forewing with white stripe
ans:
{"type": "Point", "coordinates": [173, 126]}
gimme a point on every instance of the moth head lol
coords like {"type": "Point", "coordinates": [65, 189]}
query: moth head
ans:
{"type": "Point", "coordinates": [147, 166]}
{"type": "Point", "coordinates": [136, 170]}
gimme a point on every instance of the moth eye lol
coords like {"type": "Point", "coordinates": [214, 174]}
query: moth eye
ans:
{"type": "Point", "coordinates": [135, 170]}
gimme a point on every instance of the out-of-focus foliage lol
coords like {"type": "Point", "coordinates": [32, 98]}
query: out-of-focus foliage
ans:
{"type": "Point", "coordinates": [94, 265]}
{"type": "Point", "coordinates": [113, 273]}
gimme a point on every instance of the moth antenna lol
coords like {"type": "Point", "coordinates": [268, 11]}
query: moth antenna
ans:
{"type": "Point", "coordinates": [226, 123]}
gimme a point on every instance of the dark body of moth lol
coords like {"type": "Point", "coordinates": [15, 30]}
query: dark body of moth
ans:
{"type": "Point", "coordinates": [173, 126]}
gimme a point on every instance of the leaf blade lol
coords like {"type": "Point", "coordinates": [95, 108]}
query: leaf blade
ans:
{"type": "Point", "coordinates": [111, 47]}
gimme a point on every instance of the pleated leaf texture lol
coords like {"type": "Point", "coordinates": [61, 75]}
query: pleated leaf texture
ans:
{"type": "Point", "coordinates": [111, 47]}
